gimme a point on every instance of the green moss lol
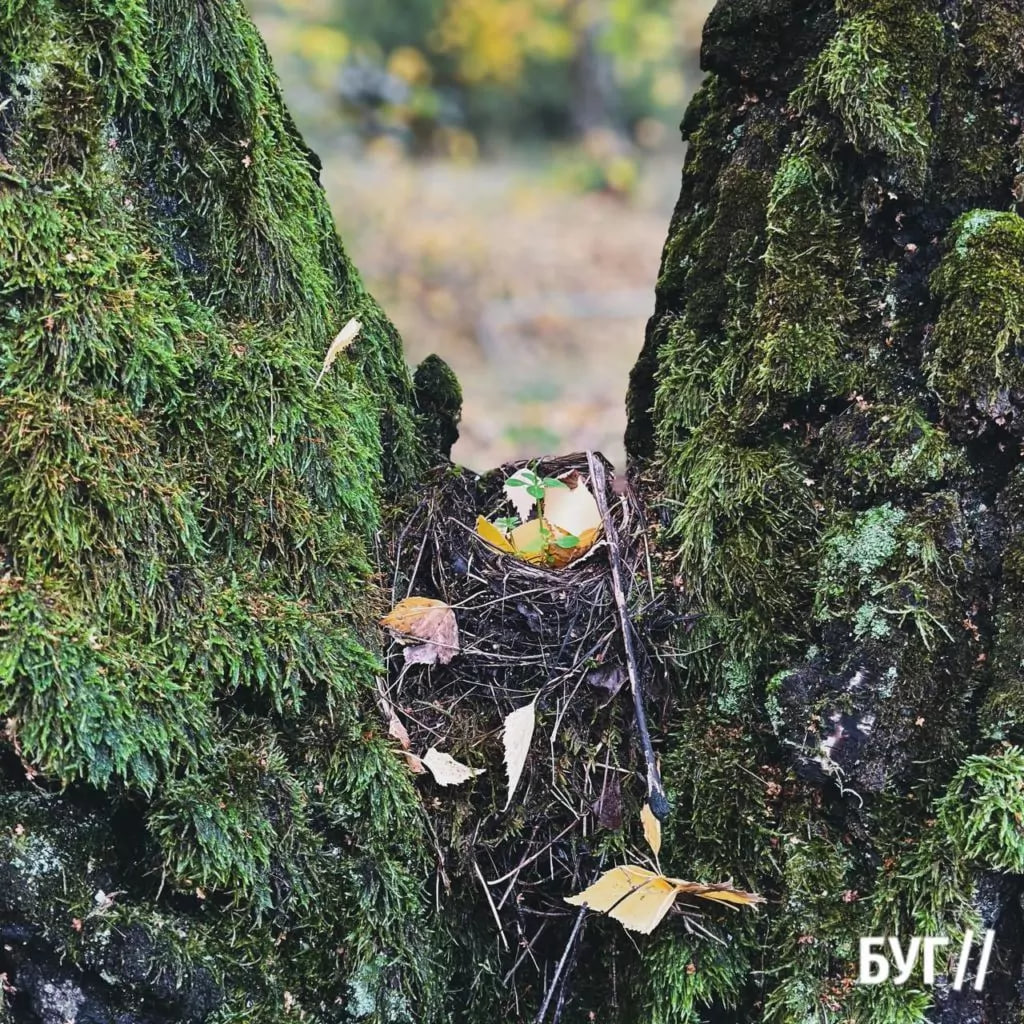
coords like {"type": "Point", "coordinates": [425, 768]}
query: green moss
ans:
{"type": "Point", "coordinates": [186, 516]}
{"type": "Point", "coordinates": [737, 510]}
{"type": "Point", "coordinates": [804, 304]}
{"type": "Point", "coordinates": [439, 402]}
{"type": "Point", "coordinates": [995, 39]}
{"type": "Point", "coordinates": [685, 977]}
{"type": "Point", "coordinates": [982, 812]}
{"type": "Point", "coordinates": [973, 358]}
{"type": "Point", "coordinates": [884, 570]}
{"type": "Point", "coordinates": [884, 451]}
{"type": "Point", "coordinates": [1003, 712]}
{"type": "Point", "coordinates": [877, 76]}
{"type": "Point", "coordinates": [813, 936]}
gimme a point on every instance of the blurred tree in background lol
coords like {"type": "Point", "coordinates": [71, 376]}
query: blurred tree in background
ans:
{"type": "Point", "coordinates": [445, 77]}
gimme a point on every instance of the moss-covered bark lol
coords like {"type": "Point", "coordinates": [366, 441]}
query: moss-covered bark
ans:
{"type": "Point", "coordinates": [198, 817]}
{"type": "Point", "coordinates": [831, 402]}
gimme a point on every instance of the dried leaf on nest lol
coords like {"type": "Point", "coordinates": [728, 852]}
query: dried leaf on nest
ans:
{"type": "Point", "coordinates": [429, 620]}
{"type": "Point", "coordinates": [446, 770]}
{"type": "Point", "coordinates": [516, 737]}
{"type": "Point", "coordinates": [397, 731]}
{"type": "Point", "coordinates": [640, 899]}
{"type": "Point", "coordinates": [652, 828]}
{"type": "Point", "coordinates": [344, 338]}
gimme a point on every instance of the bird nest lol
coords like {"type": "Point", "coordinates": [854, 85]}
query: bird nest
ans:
{"type": "Point", "coordinates": [556, 636]}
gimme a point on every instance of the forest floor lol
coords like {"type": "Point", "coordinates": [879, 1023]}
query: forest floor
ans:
{"type": "Point", "coordinates": [534, 290]}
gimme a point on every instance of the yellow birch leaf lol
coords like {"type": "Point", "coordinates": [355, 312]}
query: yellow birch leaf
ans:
{"type": "Point", "coordinates": [634, 896]}
{"type": "Point", "coordinates": [516, 737]}
{"type": "Point", "coordinates": [723, 893]}
{"type": "Point", "coordinates": [640, 898]}
{"type": "Point", "coordinates": [344, 338]}
{"type": "Point", "coordinates": [652, 828]}
{"type": "Point", "coordinates": [446, 770]}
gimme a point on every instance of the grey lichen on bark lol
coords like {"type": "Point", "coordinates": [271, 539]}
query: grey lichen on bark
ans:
{"type": "Point", "coordinates": [830, 402]}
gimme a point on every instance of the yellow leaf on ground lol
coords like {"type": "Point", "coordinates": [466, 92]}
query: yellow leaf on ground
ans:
{"type": "Point", "coordinates": [429, 620]}
{"type": "Point", "coordinates": [640, 898]}
{"type": "Point", "coordinates": [652, 829]}
{"type": "Point", "coordinates": [345, 337]}
{"type": "Point", "coordinates": [516, 737]}
{"type": "Point", "coordinates": [446, 770]}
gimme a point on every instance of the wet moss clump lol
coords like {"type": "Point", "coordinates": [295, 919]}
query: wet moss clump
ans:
{"type": "Point", "coordinates": [836, 445]}
{"type": "Point", "coordinates": [877, 76]}
{"type": "Point", "coordinates": [974, 359]}
{"type": "Point", "coordinates": [187, 640]}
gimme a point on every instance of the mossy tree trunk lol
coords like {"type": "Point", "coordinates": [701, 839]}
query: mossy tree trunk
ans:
{"type": "Point", "coordinates": [831, 403]}
{"type": "Point", "coordinates": [199, 818]}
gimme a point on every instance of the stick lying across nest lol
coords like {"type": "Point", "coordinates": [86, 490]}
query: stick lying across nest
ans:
{"type": "Point", "coordinates": [655, 788]}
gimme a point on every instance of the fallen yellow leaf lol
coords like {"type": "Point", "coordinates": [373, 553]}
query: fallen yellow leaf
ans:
{"type": "Point", "coordinates": [344, 338]}
{"type": "Point", "coordinates": [516, 737]}
{"type": "Point", "coordinates": [446, 770]}
{"type": "Point", "coordinates": [429, 620]}
{"type": "Point", "coordinates": [640, 899]}
{"type": "Point", "coordinates": [652, 828]}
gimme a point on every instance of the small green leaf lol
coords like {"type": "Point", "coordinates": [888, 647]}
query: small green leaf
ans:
{"type": "Point", "coordinates": [567, 542]}
{"type": "Point", "coordinates": [507, 523]}
{"type": "Point", "coordinates": [550, 481]}
{"type": "Point", "coordinates": [515, 481]}
{"type": "Point", "coordinates": [535, 491]}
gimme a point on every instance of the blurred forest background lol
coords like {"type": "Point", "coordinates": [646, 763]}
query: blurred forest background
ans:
{"type": "Point", "coordinates": [502, 172]}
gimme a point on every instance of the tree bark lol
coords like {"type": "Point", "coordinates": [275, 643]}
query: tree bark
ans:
{"type": "Point", "coordinates": [199, 817]}
{"type": "Point", "coordinates": [830, 402]}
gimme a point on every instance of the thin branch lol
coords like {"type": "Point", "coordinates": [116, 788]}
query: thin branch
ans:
{"type": "Point", "coordinates": [569, 947]}
{"type": "Point", "coordinates": [490, 902]}
{"type": "Point", "coordinates": [655, 788]}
